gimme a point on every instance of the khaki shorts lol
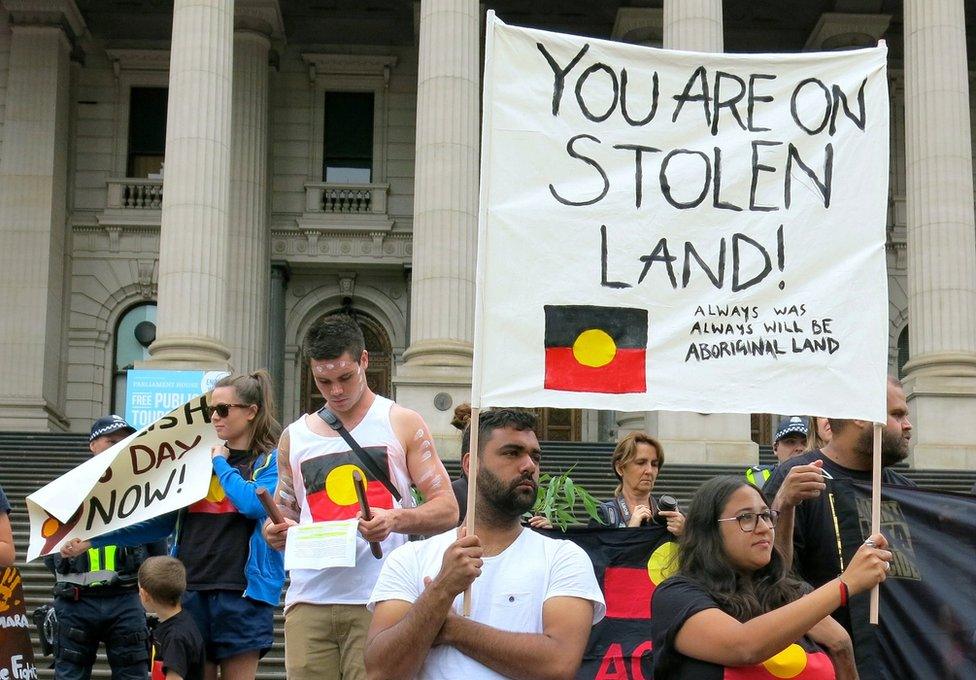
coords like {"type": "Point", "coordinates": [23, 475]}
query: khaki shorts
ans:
{"type": "Point", "coordinates": [326, 641]}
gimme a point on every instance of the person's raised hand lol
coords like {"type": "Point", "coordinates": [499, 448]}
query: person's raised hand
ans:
{"type": "Point", "coordinates": [379, 526]}
{"type": "Point", "coordinates": [74, 547]}
{"type": "Point", "coordinates": [539, 522]}
{"type": "Point", "coordinates": [676, 521]}
{"type": "Point", "coordinates": [869, 566]}
{"type": "Point", "coordinates": [642, 515]}
{"type": "Point", "coordinates": [802, 482]}
{"type": "Point", "coordinates": [276, 534]}
{"type": "Point", "coordinates": [461, 564]}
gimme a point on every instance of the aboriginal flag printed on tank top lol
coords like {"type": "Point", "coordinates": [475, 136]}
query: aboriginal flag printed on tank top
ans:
{"type": "Point", "coordinates": [329, 489]}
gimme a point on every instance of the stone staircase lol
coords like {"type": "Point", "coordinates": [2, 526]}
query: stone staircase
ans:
{"type": "Point", "coordinates": [30, 460]}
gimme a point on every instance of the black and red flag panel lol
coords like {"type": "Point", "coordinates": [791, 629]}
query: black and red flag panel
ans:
{"type": "Point", "coordinates": [629, 564]}
{"type": "Point", "coordinates": [927, 612]}
{"type": "Point", "coordinates": [595, 349]}
{"type": "Point", "coordinates": [329, 488]}
{"type": "Point", "coordinates": [216, 502]}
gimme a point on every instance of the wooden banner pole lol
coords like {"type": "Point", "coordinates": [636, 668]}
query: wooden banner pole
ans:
{"type": "Point", "coordinates": [472, 491]}
{"type": "Point", "coordinates": [875, 511]}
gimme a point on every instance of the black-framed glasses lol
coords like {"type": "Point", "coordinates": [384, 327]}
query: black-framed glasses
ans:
{"type": "Point", "coordinates": [748, 520]}
{"type": "Point", "coordinates": [223, 410]}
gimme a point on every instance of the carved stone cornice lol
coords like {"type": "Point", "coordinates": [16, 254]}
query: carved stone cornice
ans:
{"type": "Point", "coordinates": [259, 16]}
{"type": "Point", "coordinates": [349, 64]}
{"type": "Point", "coordinates": [341, 246]}
{"type": "Point", "coordinates": [138, 60]}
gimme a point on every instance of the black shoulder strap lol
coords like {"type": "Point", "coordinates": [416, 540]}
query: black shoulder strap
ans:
{"type": "Point", "coordinates": [378, 473]}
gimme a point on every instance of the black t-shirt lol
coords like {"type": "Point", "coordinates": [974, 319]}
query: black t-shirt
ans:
{"type": "Point", "coordinates": [179, 646]}
{"type": "Point", "coordinates": [214, 538]}
{"type": "Point", "coordinates": [815, 539]}
{"type": "Point", "coordinates": [676, 600]}
{"type": "Point", "coordinates": [460, 488]}
{"type": "Point", "coordinates": [4, 503]}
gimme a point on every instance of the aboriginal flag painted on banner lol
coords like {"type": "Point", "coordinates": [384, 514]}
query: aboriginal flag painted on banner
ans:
{"type": "Point", "coordinates": [595, 349]}
{"type": "Point", "coordinates": [927, 610]}
{"type": "Point", "coordinates": [329, 488]}
{"type": "Point", "coordinates": [629, 564]}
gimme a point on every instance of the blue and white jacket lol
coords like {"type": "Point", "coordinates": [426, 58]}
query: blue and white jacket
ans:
{"type": "Point", "coordinates": [265, 567]}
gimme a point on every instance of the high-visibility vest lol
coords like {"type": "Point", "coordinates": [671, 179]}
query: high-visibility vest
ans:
{"type": "Point", "coordinates": [758, 475]}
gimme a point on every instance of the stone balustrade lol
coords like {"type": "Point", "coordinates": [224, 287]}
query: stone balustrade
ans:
{"type": "Point", "coordinates": [130, 193]}
{"type": "Point", "coordinates": [364, 199]}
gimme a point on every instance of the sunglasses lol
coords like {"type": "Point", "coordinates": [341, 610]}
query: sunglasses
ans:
{"type": "Point", "coordinates": [223, 410]}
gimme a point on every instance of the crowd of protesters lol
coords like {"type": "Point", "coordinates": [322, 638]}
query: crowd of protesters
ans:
{"type": "Point", "coordinates": [757, 570]}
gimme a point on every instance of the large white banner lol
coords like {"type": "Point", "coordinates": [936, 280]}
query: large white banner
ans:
{"type": "Point", "coordinates": [157, 469]}
{"type": "Point", "coordinates": [681, 231]}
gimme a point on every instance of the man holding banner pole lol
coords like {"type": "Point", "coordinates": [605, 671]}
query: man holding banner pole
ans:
{"type": "Point", "coordinates": [534, 598]}
{"type": "Point", "coordinates": [809, 517]}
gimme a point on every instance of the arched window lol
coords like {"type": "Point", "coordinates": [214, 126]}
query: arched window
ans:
{"type": "Point", "coordinates": [902, 351]}
{"type": "Point", "coordinates": [134, 333]}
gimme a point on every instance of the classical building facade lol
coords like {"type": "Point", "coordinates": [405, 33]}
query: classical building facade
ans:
{"type": "Point", "coordinates": [192, 184]}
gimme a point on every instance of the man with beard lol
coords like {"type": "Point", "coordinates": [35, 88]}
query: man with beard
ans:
{"type": "Point", "coordinates": [801, 490]}
{"type": "Point", "coordinates": [534, 599]}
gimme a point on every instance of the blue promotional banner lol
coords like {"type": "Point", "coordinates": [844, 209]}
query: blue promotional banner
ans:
{"type": "Point", "coordinates": [151, 394]}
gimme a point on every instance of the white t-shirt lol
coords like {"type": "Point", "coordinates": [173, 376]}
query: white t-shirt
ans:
{"type": "Point", "coordinates": [508, 595]}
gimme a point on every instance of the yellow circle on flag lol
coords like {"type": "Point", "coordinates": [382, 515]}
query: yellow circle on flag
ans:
{"type": "Point", "coordinates": [663, 562]}
{"type": "Point", "coordinates": [215, 494]}
{"type": "Point", "coordinates": [787, 664]}
{"type": "Point", "coordinates": [594, 348]}
{"type": "Point", "coordinates": [338, 484]}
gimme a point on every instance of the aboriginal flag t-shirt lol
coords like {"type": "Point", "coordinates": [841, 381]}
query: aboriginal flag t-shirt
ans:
{"type": "Point", "coordinates": [676, 600]}
{"type": "Point", "coordinates": [215, 537]}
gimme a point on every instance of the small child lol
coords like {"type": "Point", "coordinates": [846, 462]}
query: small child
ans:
{"type": "Point", "coordinates": [177, 640]}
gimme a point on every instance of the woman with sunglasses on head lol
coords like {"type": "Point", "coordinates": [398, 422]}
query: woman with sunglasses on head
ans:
{"type": "Point", "coordinates": [637, 460]}
{"type": "Point", "coordinates": [234, 578]}
{"type": "Point", "coordinates": [732, 602]}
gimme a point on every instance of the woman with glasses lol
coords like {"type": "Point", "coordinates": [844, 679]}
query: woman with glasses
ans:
{"type": "Point", "coordinates": [733, 604]}
{"type": "Point", "coordinates": [637, 460]}
{"type": "Point", "coordinates": [234, 578]}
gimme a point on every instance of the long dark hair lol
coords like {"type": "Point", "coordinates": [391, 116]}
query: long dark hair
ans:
{"type": "Point", "coordinates": [702, 558]}
{"type": "Point", "coordinates": [256, 388]}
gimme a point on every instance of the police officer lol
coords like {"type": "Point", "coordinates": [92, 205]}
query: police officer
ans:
{"type": "Point", "coordinates": [96, 597]}
{"type": "Point", "coordinates": [791, 440]}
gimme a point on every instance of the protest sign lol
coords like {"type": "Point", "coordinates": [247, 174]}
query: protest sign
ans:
{"type": "Point", "coordinates": [678, 231]}
{"type": "Point", "coordinates": [159, 468]}
{"type": "Point", "coordinates": [16, 652]}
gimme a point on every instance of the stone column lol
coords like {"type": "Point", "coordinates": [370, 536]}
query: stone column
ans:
{"type": "Point", "coordinates": [693, 25]}
{"type": "Point", "coordinates": [941, 382]}
{"type": "Point", "coordinates": [248, 270]}
{"type": "Point", "coordinates": [194, 232]}
{"type": "Point", "coordinates": [33, 187]}
{"type": "Point", "coordinates": [445, 227]}
{"type": "Point", "coordinates": [716, 438]}
{"type": "Point", "coordinates": [276, 342]}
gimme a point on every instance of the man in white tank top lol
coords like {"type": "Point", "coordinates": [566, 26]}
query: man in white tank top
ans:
{"type": "Point", "coordinates": [325, 610]}
{"type": "Point", "coordinates": [534, 598]}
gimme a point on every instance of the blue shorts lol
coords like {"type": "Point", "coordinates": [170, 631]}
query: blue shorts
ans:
{"type": "Point", "coordinates": [230, 623]}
